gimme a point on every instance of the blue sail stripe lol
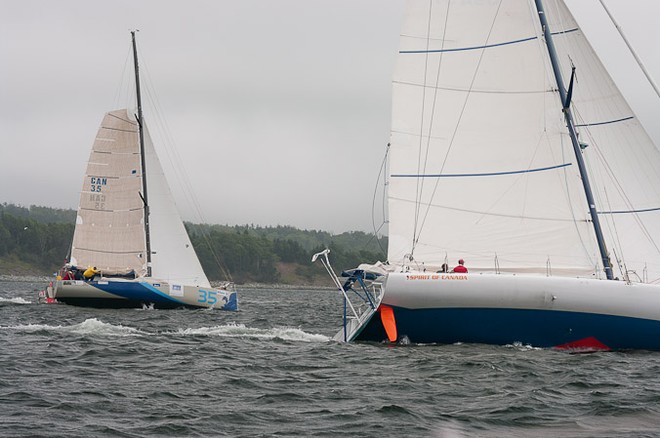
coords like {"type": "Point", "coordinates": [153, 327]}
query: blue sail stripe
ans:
{"type": "Point", "coordinates": [644, 210]}
{"type": "Point", "coordinates": [488, 46]}
{"type": "Point", "coordinates": [607, 122]}
{"type": "Point", "coordinates": [458, 175]}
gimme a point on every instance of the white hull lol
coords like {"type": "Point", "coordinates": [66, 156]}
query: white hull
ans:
{"type": "Point", "coordinates": [505, 309]}
{"type": "Point", "coordinates": [120, 293]}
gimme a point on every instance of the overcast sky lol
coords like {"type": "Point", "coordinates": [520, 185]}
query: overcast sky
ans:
{"type": "Point", "coordinates": [279, 109]}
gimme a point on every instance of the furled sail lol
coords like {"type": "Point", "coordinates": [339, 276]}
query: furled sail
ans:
{"type": "Point", "coordinates": [482, 166]}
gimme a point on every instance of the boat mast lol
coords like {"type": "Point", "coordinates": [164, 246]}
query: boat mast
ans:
{"type": "Point", "coordinates": [570, 124]}
{"type": "Point", "coordinates": [143, 195]}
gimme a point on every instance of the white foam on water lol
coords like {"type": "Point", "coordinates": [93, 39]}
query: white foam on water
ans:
{"type": "Point", "coordinates": [241, 331]}
{"type": "Point", "coordinates": [91, 326]}
{"type": "Point", "coordinates": [16, 300]}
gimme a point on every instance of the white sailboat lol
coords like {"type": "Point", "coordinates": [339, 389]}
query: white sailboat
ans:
{"type": "Point", "coordinates": [128, 228]}
{"type": "Point", "coordinates": [513, 149]}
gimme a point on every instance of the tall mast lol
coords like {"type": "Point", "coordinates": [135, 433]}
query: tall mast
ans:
{"type": "Point", "coordinates": [568, 115]}
{"type": "Point", "coordinates": [143, 195]}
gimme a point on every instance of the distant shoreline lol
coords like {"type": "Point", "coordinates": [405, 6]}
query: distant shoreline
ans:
{"type": "Point", "coordinates": [46, 279]}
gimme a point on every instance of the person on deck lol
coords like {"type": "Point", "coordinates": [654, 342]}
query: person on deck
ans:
{"type": "Point", "coordinates": [460, 268]}
{"type": "Point", "coordinates": [90, 273]}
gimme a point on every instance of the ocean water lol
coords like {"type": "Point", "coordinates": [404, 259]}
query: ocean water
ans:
{"type": "Point", "coordinates": [271, 369]}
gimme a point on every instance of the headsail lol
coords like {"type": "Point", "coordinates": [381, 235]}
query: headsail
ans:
{"type": "Point", "coordinates": [623, 161]}
{"type": "Point", "coordinates": [173, 256]}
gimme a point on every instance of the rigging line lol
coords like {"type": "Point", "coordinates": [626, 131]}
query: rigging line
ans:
{"type": "Point", "coordinates": [432, 118]}
{"type": "Point", "coordinates": [373, 202]}
{"type": "Point", "coordinates": [579, 221]}
{"type": "Point", "coordinates": [463, 90]}
{"type": "Point", "coordinates": [117, 99]}
{"type": "Point", "coordinates": [632, 51]}
{"type": "Point", "coordinates": [421, 131]}
{"type": "Point", "coordinates": [180, 170]}
{"type": "Point", "coordinates": [611, 225]}
{"type": "Point", "coordinates": [460, 116]}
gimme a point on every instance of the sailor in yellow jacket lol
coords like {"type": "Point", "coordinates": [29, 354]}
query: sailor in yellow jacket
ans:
{"type": "Point", "coordinates": [90, 273]}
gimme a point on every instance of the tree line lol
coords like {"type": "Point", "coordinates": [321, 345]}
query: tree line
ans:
{"type": "Point", "coordinates": [40, 239]}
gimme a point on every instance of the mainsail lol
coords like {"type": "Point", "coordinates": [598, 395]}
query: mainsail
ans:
{"type": "Point", "coordinates": [482, 166]}
{"type": "Point", "coordinates": [109, 231]}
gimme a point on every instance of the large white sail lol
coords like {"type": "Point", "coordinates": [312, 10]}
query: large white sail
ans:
{"type": "Point", "coordinates": [109, 232]}
{"type": "Point", "coordinates": [482, 166]}
{"type": "Point", "coordinates": [623, 162]}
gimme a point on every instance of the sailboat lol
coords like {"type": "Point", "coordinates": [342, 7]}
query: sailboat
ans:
{"type": "Point", "coordinates": [512, 149]}
{"type": "Point", "coordinates": [128, 235]}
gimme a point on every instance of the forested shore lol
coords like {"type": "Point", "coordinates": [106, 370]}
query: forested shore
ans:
{"type": "Point", "coordinates": [36, 240]}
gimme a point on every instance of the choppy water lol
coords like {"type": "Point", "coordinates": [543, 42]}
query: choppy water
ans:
{"type": "Point", "coordinates": [272, 370]}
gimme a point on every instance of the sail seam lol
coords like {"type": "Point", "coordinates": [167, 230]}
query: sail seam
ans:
{"type": "Point", "coordinates": [459, 175]}
{"type": "Point", "coordinates": [484, 213]}
{"type": "Point", "coordinates": [117, 129]}
{"type": "Point", "coordinates": [487, 46]}
{"type": "Point", "coordinates": [465, 90]}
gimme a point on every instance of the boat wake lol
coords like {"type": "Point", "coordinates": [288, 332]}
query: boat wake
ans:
{"type": "Point", "coordinates": [15, 300]}
{"type": "Point", "coordinates": [241, 331]}
{"type": "Point", "coordinates": [91, 326]}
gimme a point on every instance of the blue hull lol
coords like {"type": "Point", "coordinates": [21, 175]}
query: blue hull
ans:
{"type": "Point", "coordinates": [538, 328]}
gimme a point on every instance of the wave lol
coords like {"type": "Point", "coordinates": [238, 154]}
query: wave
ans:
{"type": "Point", "coordinates": [15, 300]}
{"type": "Point", "coordinates": [241, 331]}
{"type": "Point", "coordinates": [91, 326]}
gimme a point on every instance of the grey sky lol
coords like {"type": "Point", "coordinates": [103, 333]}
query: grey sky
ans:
{"type": "Point", "coordinates": [279, 109]}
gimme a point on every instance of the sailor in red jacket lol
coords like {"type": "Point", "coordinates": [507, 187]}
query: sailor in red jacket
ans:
{"type": "Point", "coordinates": [460, 268]}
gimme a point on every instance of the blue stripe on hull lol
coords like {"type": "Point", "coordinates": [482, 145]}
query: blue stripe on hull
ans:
{"type": "Point", "coordinates": [142, 292]}
{"type": "Point", "coordinates": [539, 328]}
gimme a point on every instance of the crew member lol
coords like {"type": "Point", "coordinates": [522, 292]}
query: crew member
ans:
{"type": "Point", "coordinates": [90, 273]}
{"type": "Point", "coordinates": [460, 268]}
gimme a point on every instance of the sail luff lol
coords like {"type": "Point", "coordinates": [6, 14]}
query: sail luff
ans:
{"type": "Point", "coordinates": [565, 98]}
